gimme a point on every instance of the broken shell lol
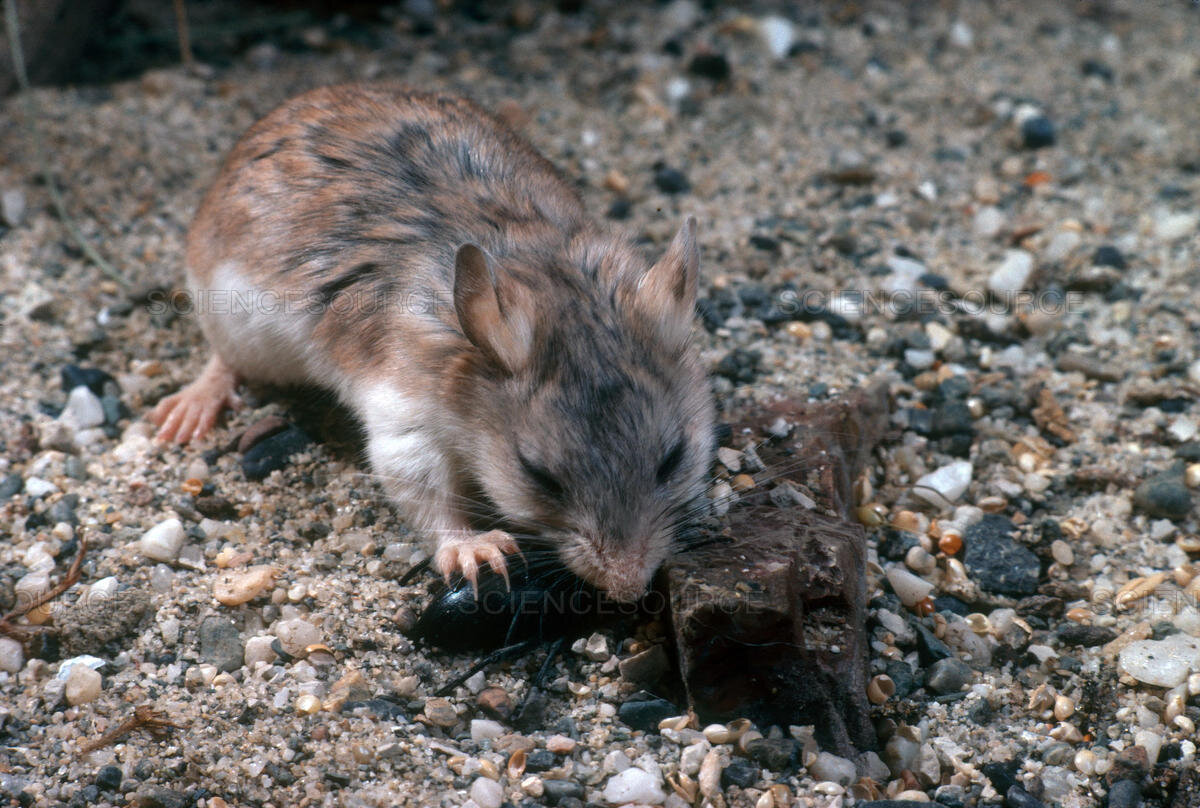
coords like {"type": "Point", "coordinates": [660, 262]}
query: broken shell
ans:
{"type": "Point", "coordinates": [993, 504]}
{"type": "Point", "coordinates": [488, 769]}
{"type": "Point", "coordinates": [1042, 698]}
{"type": "Point", "coordinates": [1185, 724]}
{"type": "Point", "coordinates": [709, 779]}
{"type": "Point", "coordinates": [684, 786]}
{"type": "Point", "coordinates": [863, 490]}
{"type": "Point", "coordinates": [919, 560]}
{"type": "Point", "coordinates": [906, 520]}
{"type": "Point", "coordinates": [717, 734]}
{"type": "Point", "coordinates": [516, 764]}
{"type": "Point", "coordinates": [1138, 588]}
{"type": "Point", "coordinates": [873, 514]}
{"type": "Point", "coordinates": [319, 654]}
{"type": "Point", "coordinates": [308, 704]}
{"type": "Point", "coordinates": [1064, 708]}
{"type": "Point", "coordinates": [831, 789]}
{"type": "Point", "coordinates": [1079, 614]}
{"type": "Point", "coordinates": [748, 737]}
{"type": "Point", "coordinates": [951, 541]}
{"type": "Point", "coordinates": [978, 623]}
{"type": "Point", "coordinates": [783, 797]}
{"type": "Point", "coordinates": [676, 722]}
{"type": "Point", "coordinates": [740, 726]}
{"type": "Point", "coordinates": [1066, 732]}
{"type": "Point", "coordinates": [742, 482]}
{"type": "Point", "coordinates": [1184, 573]}
{"type": "Point", "coordinates": [880, 688]}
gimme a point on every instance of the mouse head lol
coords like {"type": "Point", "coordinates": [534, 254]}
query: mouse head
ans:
{"type": "Point", "coordinates": [595, 414]}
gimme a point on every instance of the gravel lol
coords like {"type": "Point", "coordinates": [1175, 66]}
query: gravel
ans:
{"type": "Point", "coordinates": [997, 214]}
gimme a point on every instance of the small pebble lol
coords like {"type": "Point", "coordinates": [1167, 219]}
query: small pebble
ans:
{"type": "Point", "coordinates": [487, 793]}
{"type": "Point", "coordinates": [12, 655]}
{"type": "Point", "coordinates": [236, 588]}
{"type": "Point", "coordinates": [634, 785]}
{"type": "Point", "coordinates": [778, 34]}
{"type": "Point", "coordinates": [163, 541]}
{"type": "Point", "coordinates": [1174, 226]}
{"type": "Point", "coordinates": [82, 686]}
{"type": "Point", "coordinates": [1162, 663]}
{"type": "Point", "coordinates": [83, 410]}
{"type": "Point", "coordinates": [1037, 132]}
{"type": "Point", "coordinates": [948, 676]}
{"type": "Point", "coordinates": [441, 712]}
{"type": "Point", "coordinates": [1012, 274]}
{"type": "Point", "coordinates": [670, 180]}
{"type": "Point", "coordinates": [258, 649]}
{"type": "Point", "coordinates": [483, 728]}
{"type": "Point", "coordinates": [12, 206]}
{"type": "Point", "coordinates": [947, 483]}
{"type": "Point", "coordinates": [220, 644]}
{"type": "Point", "coordinates": [297, 634]}
{"type": "Point", "coordinates": [829, 766]}
{"type": "Point", "coordinates": [1164, 496]}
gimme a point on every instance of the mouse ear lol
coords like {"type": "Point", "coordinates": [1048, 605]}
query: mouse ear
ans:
{"type": "Point", "coordinates": [493, 321]}
{"type": "Point", "coordinates": [666, 294]}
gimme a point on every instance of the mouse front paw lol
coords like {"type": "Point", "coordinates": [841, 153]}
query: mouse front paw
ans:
{"type": "Point", "coordinates": [463, 552]}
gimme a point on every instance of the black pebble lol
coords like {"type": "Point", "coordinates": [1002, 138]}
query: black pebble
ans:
{"type": "Point", "coordinates": [1017, 797]}
{"type": "Point", "coordinates": [739, 366]}
{"type": "Point", "coordinates": [765, 243]}
{"type": "Point", "coordinates": [1087, 636]}
{"type": "Point", "coordinates": [996, 561]}
{"type": "Point", "coordinates": [645, 713]}
{"type": "Point", "coordinates": [895, 543]}
{"type": "Point", "coordinates": [274, 452]}
{"type": "Point", "coordinates": [670, 180]}
{"type": "Point", "coordinates": [1125, 794]}
{"type": "Point", "coordinates": [620, 209]}
{"type": "Point", "coordinates": [109, 778]}
{"type": "Point", "coordinates": [775, 754]}
{"type": "Point", "coordinates": [73, 376]}
{"type": "Point", "coordinates": [1164, 496]}
{"type": "Point", "coordinates": [1093, 67]}
{"type": "Point", "coordinates": [1109, 256]}
{"type": "Point", "coordinates": [952, 418]}
{"type": "Point", "coordinates": [1037, 132]}
{"type": "Point", "coordinates": [11, 485]}
{"type": "Point", "coordinates": [1003, 775]}
{"type": "Point", "coordinates": [895, 138]}
{"type": "Point", "coordinates": [710, 65]}
{"type": "Point", "coordinates": [929, 648]}
{"type": "Point", "coordinates": [555, 791]}
{"type": "Point", "coordinates": [740, 773]}
{"type": "Point", "coordinates": [540, 760]}
{"type": "Point", "coordinates": [902, 676]}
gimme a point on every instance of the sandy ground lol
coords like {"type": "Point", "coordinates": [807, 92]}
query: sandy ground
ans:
{"type": "Point", "coordinates": [937, 183]}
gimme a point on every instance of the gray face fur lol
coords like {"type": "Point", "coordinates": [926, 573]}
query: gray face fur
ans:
{"type": "Point", "coordinates": [600, 436]}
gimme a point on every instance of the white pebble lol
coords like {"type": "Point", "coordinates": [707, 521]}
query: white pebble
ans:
{"type": "Point", "coordinates": [487, 793]}
{"type": "Point", "coordinates": [1061, 245]}
{"type": "Point", "coordinates": [258, 649]}
{"type": "Point", "coordinates": [483, 728]}
{"type": "Point", "coordinates": [12, 206]}
{"type": "Point", "coordinates": [1151, 742]}
{"type": "Point", "coordinates": [778, 34]}
{"type": "Point", "coordinates": [616, 762]}
{"type": "Point", "coordinates": [1162, 663]}
{"type": "Point", "coordinates": [82, 685]}
{"type": "Point", "coordinates": [83, 410]}
{"type": "Point", "coordinates": [1172, 226]}
{"type": "Point", "coordinates": [961, 35]}
{"type": "Point", "coordinates": [163, 541]}
{"type": "Point", "coordinates": [908, 587]}
{"type": "Point", "coordinates": [692, 756]}
{"type": "Point", "coordinates": [297, 634]}
{"type": "Point", "coordinates": [1012, 274]}
{"type": "Point", "coordinates": [949, 482]}
{"type": "Point", "coordinates": [12, 655]}
{"type": "Point", "coordinates": [835, 769]}
{"type": "Point", "coordinates": [634, 785]}
{"type": "Point", "coordinates": [37, 488]}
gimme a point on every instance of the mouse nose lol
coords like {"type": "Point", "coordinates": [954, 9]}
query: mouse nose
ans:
{"type": "Point", "coordinates": [625, 585]}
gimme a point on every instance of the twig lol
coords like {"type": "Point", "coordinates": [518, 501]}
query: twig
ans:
{"type": "Point", "coordinates": [143, 716]}
{"type": "Point", "coordinates": [10, 629]}
{"type": "Point", "coordinates": [185, 38]}
{"type": "Point", "coordinates": [11, 25]}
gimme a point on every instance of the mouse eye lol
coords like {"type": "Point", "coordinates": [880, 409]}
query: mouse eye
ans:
{"type": "Point", "coordinates": [670, 463]}
{"type": "Point", "coordinates": [541, 477]}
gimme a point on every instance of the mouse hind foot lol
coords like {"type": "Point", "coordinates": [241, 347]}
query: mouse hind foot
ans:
{"type": "Point", "coordinates": [191, 413]}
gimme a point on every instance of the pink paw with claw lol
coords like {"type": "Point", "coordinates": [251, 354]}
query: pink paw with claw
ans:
{"type": "Point", "coordinates": [465, 551]}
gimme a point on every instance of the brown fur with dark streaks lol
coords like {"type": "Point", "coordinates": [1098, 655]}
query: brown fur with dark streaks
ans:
{"type": "Point", "coordinates": [515, 366]}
